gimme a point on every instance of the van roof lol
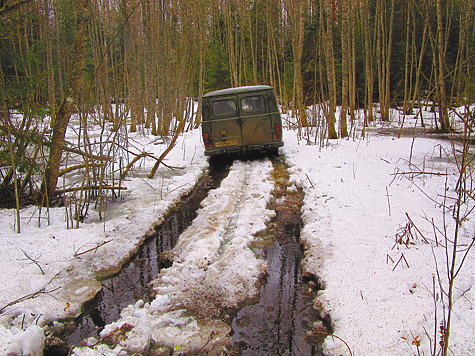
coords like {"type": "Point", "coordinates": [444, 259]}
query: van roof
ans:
{"type": "Point", "coordinates": [237, 90]}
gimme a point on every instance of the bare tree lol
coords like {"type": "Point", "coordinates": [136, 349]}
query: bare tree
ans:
{"type": "Point", "coordinates": [345, 74]}
{"type": "Point", "coordinates": [296, 12]}
{"type": "Point", "coordinates": [330, 63]}
{"type": "Point", "coordinates": [65, 110]}
{"type": "Point", "coordinates": [48, 25]}
{"type": "Point", "coordinates": [364, 10]}
{"type": "Point", "coordinates": [425, 15]}
{"type": "Point", "coordinates": [409, 62]}
{"type": "Point", "coordinates": [444, 114]}
{"type": "Point", "coordinates": [383, 54]}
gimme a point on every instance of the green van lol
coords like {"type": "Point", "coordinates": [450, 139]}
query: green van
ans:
{"type": "Point", "coordinates": [241, 119]}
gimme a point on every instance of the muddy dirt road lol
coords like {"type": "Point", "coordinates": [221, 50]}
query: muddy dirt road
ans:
{"type": "Point", "coordinates": [232, 283]}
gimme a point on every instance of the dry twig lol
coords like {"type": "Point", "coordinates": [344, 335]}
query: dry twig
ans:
{"type": "Point", "coordinates": [32, 295]}
{"type": "Point", "coordinates": [92, 249]}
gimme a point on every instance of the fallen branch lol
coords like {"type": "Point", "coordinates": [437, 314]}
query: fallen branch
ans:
{"type": "Point", "coordinates": [90, 187]}
{"type": "Point", "coordinates": [92, 249]}
{"type": "Point", "coordinates": [136, 158]}
{"type": "Point", "coordinates": [419, 172]}
{"type": "Point", "coordinates": [415, 227]}
{"type": "Point", "coordinates": [141, 155]}
{"type": "Point", "coordinates": [179, 129]}
{"type": "Point", "coordinates": [87, 155]}
{"type": "Point", "coordinates": [326, 334]}
{"type": "Point", "coordinates": [400, 258]}
{"type": "Point", "coordinates": [79, 166]}
{"type": "Point", "coordinates": [34, 261]}
{"type": "Point", "coordinates": [31, 259]}
{"type": "Point", "coordinates": [309, 180]}
{"type": "Point", "coordinates": [32, 295]}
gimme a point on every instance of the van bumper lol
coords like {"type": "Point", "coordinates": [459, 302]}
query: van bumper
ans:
{"type": "Point", "coordinates": [244, 149]}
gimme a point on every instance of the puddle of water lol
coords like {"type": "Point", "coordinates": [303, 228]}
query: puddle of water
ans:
{"type": "Point", "coordinates": [279, 322]}
{"type": "Point", "coordinates": [132, 282]}
{"type": "Point", "coordinates": [277, 325]}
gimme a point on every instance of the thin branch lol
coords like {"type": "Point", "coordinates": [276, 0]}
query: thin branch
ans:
{"type": "Point", "coordinates": [400, 259]}
{"type": "Point", "coordinates": [309, 180]}
{"type": "Point", "coordinates": [419, 172]}
{"type": "Point", "coordinates": [92, 249]}
{"type": "Point", "coordinates": [78, 166]}
{"type": "Point", "coordinates": [169, 148]}
{"type": "Point", "coordinates": [415, 227]}
{"type": "Point", "coordinates": [32, 295]}
{"type": "Point", "coordinates": [327, 334]}
{"type": "Point", "coordinates": [12, 6]}
{"type": "Point", "coordinates": [90, 187]}
{"type": "Point", "coordinates": [34, 261]}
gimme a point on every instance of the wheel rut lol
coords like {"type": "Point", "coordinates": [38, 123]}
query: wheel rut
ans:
{"type": "Point", "coordinates": [231, 281]}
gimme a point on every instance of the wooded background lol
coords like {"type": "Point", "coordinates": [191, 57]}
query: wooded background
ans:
{"type": "Point", "coordinates": [156, 57]}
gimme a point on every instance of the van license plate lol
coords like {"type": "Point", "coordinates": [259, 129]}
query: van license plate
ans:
{"type": "Point", "coordinates": [226, 143]}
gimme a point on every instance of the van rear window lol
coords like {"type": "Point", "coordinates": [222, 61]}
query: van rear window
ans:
{"type": "Point", "coordinates": [224, 107]}
{"type": "Point", "coordinates": [253, 104]}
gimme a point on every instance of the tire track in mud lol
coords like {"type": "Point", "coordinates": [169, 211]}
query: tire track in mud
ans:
{"type": "Point", "coordinates": [213, 273]}
{"type": "Point", "coordinates": [283, 321]}
{"type": "Point", "coordinates": [216, 270]}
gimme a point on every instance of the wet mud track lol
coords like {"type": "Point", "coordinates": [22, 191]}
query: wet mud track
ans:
{"type": "Point", "coordinates": [273, 321]}
{"type": "Point", "coordinates": [132, 282]}
{"type": "Point", "coordinates": [282, 321]}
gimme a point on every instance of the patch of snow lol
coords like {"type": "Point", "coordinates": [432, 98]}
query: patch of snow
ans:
{"type": "Point", "coordinates": [29, 342]}
{"type": "Point", "coordinates": [360, 198]}
{"type": "Point", "coordinates": [73, 260]}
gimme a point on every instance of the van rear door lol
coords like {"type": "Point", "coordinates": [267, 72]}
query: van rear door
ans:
{"type": "Point", "coordinates": [255, 119]}
{"type": "Point", "coordinates": [224, 122]}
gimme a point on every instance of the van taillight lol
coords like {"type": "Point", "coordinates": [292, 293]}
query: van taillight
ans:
{"type": "Point", "coordinates": [206, 139]}
{"type": "Point", "coordinates": [278, 131]}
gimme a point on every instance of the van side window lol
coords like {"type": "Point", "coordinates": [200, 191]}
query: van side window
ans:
{"type": "Point", "coordinates": [253, 104]}
{"type": "Point", "coordinates": [224, 107]}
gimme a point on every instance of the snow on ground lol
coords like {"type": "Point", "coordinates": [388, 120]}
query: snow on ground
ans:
{"type": "Point", "coordinates": [213, 270]}
{"type": "Point", "coordinates": [379, 293]}
{"type": "Point", "coordinates": [360, 196]}
{"type": "Point", "coordinates": [62, 282]}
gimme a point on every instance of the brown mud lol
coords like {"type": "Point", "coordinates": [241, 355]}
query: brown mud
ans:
{"type": "Point", "coordinates": [280, 323]}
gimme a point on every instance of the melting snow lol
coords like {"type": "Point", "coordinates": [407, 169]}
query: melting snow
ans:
{"type": "Point", "coordinates": [360, 199]}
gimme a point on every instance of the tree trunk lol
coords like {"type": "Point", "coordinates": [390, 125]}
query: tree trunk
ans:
{"type": "Point", "coordinates": [149, 66]}
{"type": "Point", "coordinates": [444, 114]}
{"type": "Point", "coordinates": [50, 179]}
{"type": "Point", "coordinates": [202, 61]}
{"type": "Point", "coordinates": [388, 63]}
{"type": "Point", "coordinates": [49, 62]}
{"type": "Point", "coordinates": [344, 69]}
{"type": "Point", "coordinates": [421, 58]}
{"type": "Point", "coordinates": [462, 49]}
{"type": "Point", "coordinates": [297, 17]}
{"type": "Point", "coordinates": [368, 62]}
{"type": "Point", "coordinates": [407, 107]}
{"type": "Point", "coordinates": [352, 89]}
{"type": "Point", "coordinates": [331, 76]}
{"type": "Point", "coordinates": [461, 64]}
{"type": "Point", "coordinates": [384, 47]}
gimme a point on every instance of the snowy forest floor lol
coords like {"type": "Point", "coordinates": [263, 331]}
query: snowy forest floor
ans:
{"type": "Point", "coordinates": [377, 220]}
